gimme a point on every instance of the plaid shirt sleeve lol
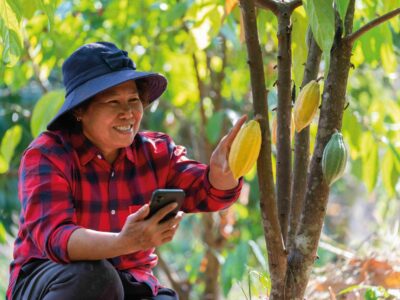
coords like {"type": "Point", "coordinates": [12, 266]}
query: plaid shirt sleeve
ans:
{"type": "Point", "coordinates": [47, 204]}
{"type": "Point", "coordinates": [192, 177]}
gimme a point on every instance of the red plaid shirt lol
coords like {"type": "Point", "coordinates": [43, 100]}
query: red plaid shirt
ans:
{"type": "Point", "coordinates": [65, 184]}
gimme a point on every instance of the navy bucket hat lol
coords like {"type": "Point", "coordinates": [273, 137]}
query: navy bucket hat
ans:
{"type": "Point", "coordinates": [96, 67]}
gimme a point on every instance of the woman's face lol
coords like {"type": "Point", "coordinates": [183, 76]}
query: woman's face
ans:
{"type": "Point", "coordinates": [112, 118]}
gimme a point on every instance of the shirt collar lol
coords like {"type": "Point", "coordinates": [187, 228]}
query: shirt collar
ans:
{"type": "Point", "coordinates": [86, 150]}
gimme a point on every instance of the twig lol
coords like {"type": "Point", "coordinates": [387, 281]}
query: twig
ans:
{"type": "Point", "coordinates": [355, 35]}
{"type": "Point", "coordinates": [336, 250]}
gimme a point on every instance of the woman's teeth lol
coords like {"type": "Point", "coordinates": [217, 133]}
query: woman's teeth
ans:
{"type": "Point", "coordinates": [127, 128]}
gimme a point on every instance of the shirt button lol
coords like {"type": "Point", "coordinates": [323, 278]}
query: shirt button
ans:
{"type": "Point", "coordinates": [112, 174]}
{"type": "Point", "coordinates": [113, 211]}
{"type": "Point", "coordinates": [99, 156]}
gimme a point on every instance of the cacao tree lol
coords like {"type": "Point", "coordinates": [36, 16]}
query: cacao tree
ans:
{"type": "Point", "coordinates": [293, 217]}
{"type": "Point", "coordinates": [200, 46]}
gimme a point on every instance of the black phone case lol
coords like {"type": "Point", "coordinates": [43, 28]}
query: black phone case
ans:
{"type": "Point", "coordinates": [163, 197]}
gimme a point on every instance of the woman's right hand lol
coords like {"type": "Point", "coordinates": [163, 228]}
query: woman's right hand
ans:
{"type": "Point", "coordinates": [139, 233]}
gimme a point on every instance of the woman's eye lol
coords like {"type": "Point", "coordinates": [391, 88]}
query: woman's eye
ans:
{"type": "Point", "coordinates": [112, 102]}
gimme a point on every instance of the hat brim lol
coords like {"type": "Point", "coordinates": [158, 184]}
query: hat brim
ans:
{"type": "Point", "coordinates": [156, 85]}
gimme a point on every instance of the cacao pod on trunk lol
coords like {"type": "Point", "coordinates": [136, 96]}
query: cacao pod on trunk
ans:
{"type": "Point", "coordinates": [245, 149]}
{"type": "Point", "coordinates": [334, 158]}
{"type": "Point", "coordinates": [306, 105]}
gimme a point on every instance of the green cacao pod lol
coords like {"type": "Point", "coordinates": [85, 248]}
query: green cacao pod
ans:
{"type": "Point", "coordinates": [334, 158]}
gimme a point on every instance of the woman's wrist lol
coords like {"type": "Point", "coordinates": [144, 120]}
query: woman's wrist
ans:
{"type": "Point", "coordinates": [222, 180]}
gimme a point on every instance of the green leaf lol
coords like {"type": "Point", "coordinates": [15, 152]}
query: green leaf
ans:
{"type": "Point", "coordinates": [370, 161]}
{"type": "Point", "coordinates": [341, 6]}
{"type": "Point", "coordinates": [10, 141]}
{"type": "Point", "coordinates": [48, 7]}
{"type": "Point", "coordinates": [45, 109]}
{"type": "Point", "coordinates": [234, 266]}
{"type": "Point", "coordinates": [258, 254]}
{"type": "Point", "coordinates": [322, 20]}
{"type": "Point", "coordinates": [17, 8]}
{"type": "Point", "coordinates": [2, 234]}
{"type": "Point", "coordinates": [353, 132]}
{"type": "Point", "coordinates": [299, 45]}
{"type": "Point", "coordinates": [10, 34]}
{"type": "Point", "coordinates": [4, 166]}
{"type": "Point", "coordinates": [214, 127]}
{"type": "Point", "coordinates": [207, 22]}
{"type": "Point", "coordinates": [370, 294]}
{"type": "Point", "coordinates": [390, 174]}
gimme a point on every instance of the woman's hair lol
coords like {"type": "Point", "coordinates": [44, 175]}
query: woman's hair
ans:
{"type": "Point", "coordinates": [143, 89]}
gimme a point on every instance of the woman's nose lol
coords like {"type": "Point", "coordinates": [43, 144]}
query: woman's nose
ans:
{"type": "Point", "coordinates": [126, 110]}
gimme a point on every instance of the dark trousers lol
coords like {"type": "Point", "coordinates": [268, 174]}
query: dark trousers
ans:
{"type": "Point", "coordinates": [86, 280]}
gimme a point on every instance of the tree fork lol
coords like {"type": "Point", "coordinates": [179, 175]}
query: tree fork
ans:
{"type": "Point", "coordinates": [306, 241]}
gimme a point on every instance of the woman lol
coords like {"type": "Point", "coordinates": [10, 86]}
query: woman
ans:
{"type": "Point", "coordinates": [85, 184]}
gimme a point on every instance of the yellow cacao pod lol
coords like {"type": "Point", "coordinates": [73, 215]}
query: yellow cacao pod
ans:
{"type": "Point", "coordinates": [275, 126]}
{"type": "Point", "coordinates": [245, 149]}
{"type": "Point", "coordinates": [306, 105]}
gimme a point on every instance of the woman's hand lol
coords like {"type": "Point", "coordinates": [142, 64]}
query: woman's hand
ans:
{"type": "Point", "coordinates": [140, 234]}
{"type": "Point", "coordinates": [220, 175]}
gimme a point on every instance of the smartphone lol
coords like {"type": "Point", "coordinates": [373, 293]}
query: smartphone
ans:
{"type": "Point", "coordinates": [163, 197]}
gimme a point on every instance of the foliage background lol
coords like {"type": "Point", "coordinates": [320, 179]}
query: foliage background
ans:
{"type": "Point", "coordinates": [199, 48]}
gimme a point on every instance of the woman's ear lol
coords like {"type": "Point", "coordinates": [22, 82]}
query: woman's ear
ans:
{"type": "Point", "coordinates": [78, 114]}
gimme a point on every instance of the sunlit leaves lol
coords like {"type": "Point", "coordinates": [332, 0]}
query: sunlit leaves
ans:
{"type": "Point", "coordinates": [377, 48]}
{"type": "Point", "coordinates": [370, 160]}
{"type": "Point", "coordinates": [352, 132]}
{"type": "Point", "coordinates": [11, 32]}
{"type": "Point", "coordinates": [322, 20]}
{"type": "Point", "coordinates": [4, 166]}
{"type": "Point", "coordinates": [11, 35]}
{"type": "Point", "coordinates": [45, 109]}
{"type": "Point", "coordinates": [390, 171]}
{"type": "Point", "coordinates": [2, 234]}
{"type": "Point", "coordinates": [205, 19]}
{"type": "Point", "coordinates": [10, 141]}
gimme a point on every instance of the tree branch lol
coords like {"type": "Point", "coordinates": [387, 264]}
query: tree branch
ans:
{"type": "Point", "coordinates": [348, 19]}
{"type": "Point", "coordinates": [302, 146]}
{"type": "Point", "coordinates": [294, 4]}
{"type": "Point", "coordinates": [276, 7]}
{"type": "Point", "coordinates": [206, 154]}
{"type": "Point", "coordinates": [357, 34]}
{"type": "Point", "coordinates": [269, 211]}
{"type": "Point", "coordinates": [268, 5]}
{"type": "Point", "coordinates": [283, 145]}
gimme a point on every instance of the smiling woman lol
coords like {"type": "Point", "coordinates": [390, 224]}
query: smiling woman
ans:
{"type": "Point", "coordinates": [85, 185]}
{"type": "Point", "coordinates": [112, 118]}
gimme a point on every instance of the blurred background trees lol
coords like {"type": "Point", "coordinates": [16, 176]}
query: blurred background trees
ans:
{"type": "Point", "coordinates": [199, 46]}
